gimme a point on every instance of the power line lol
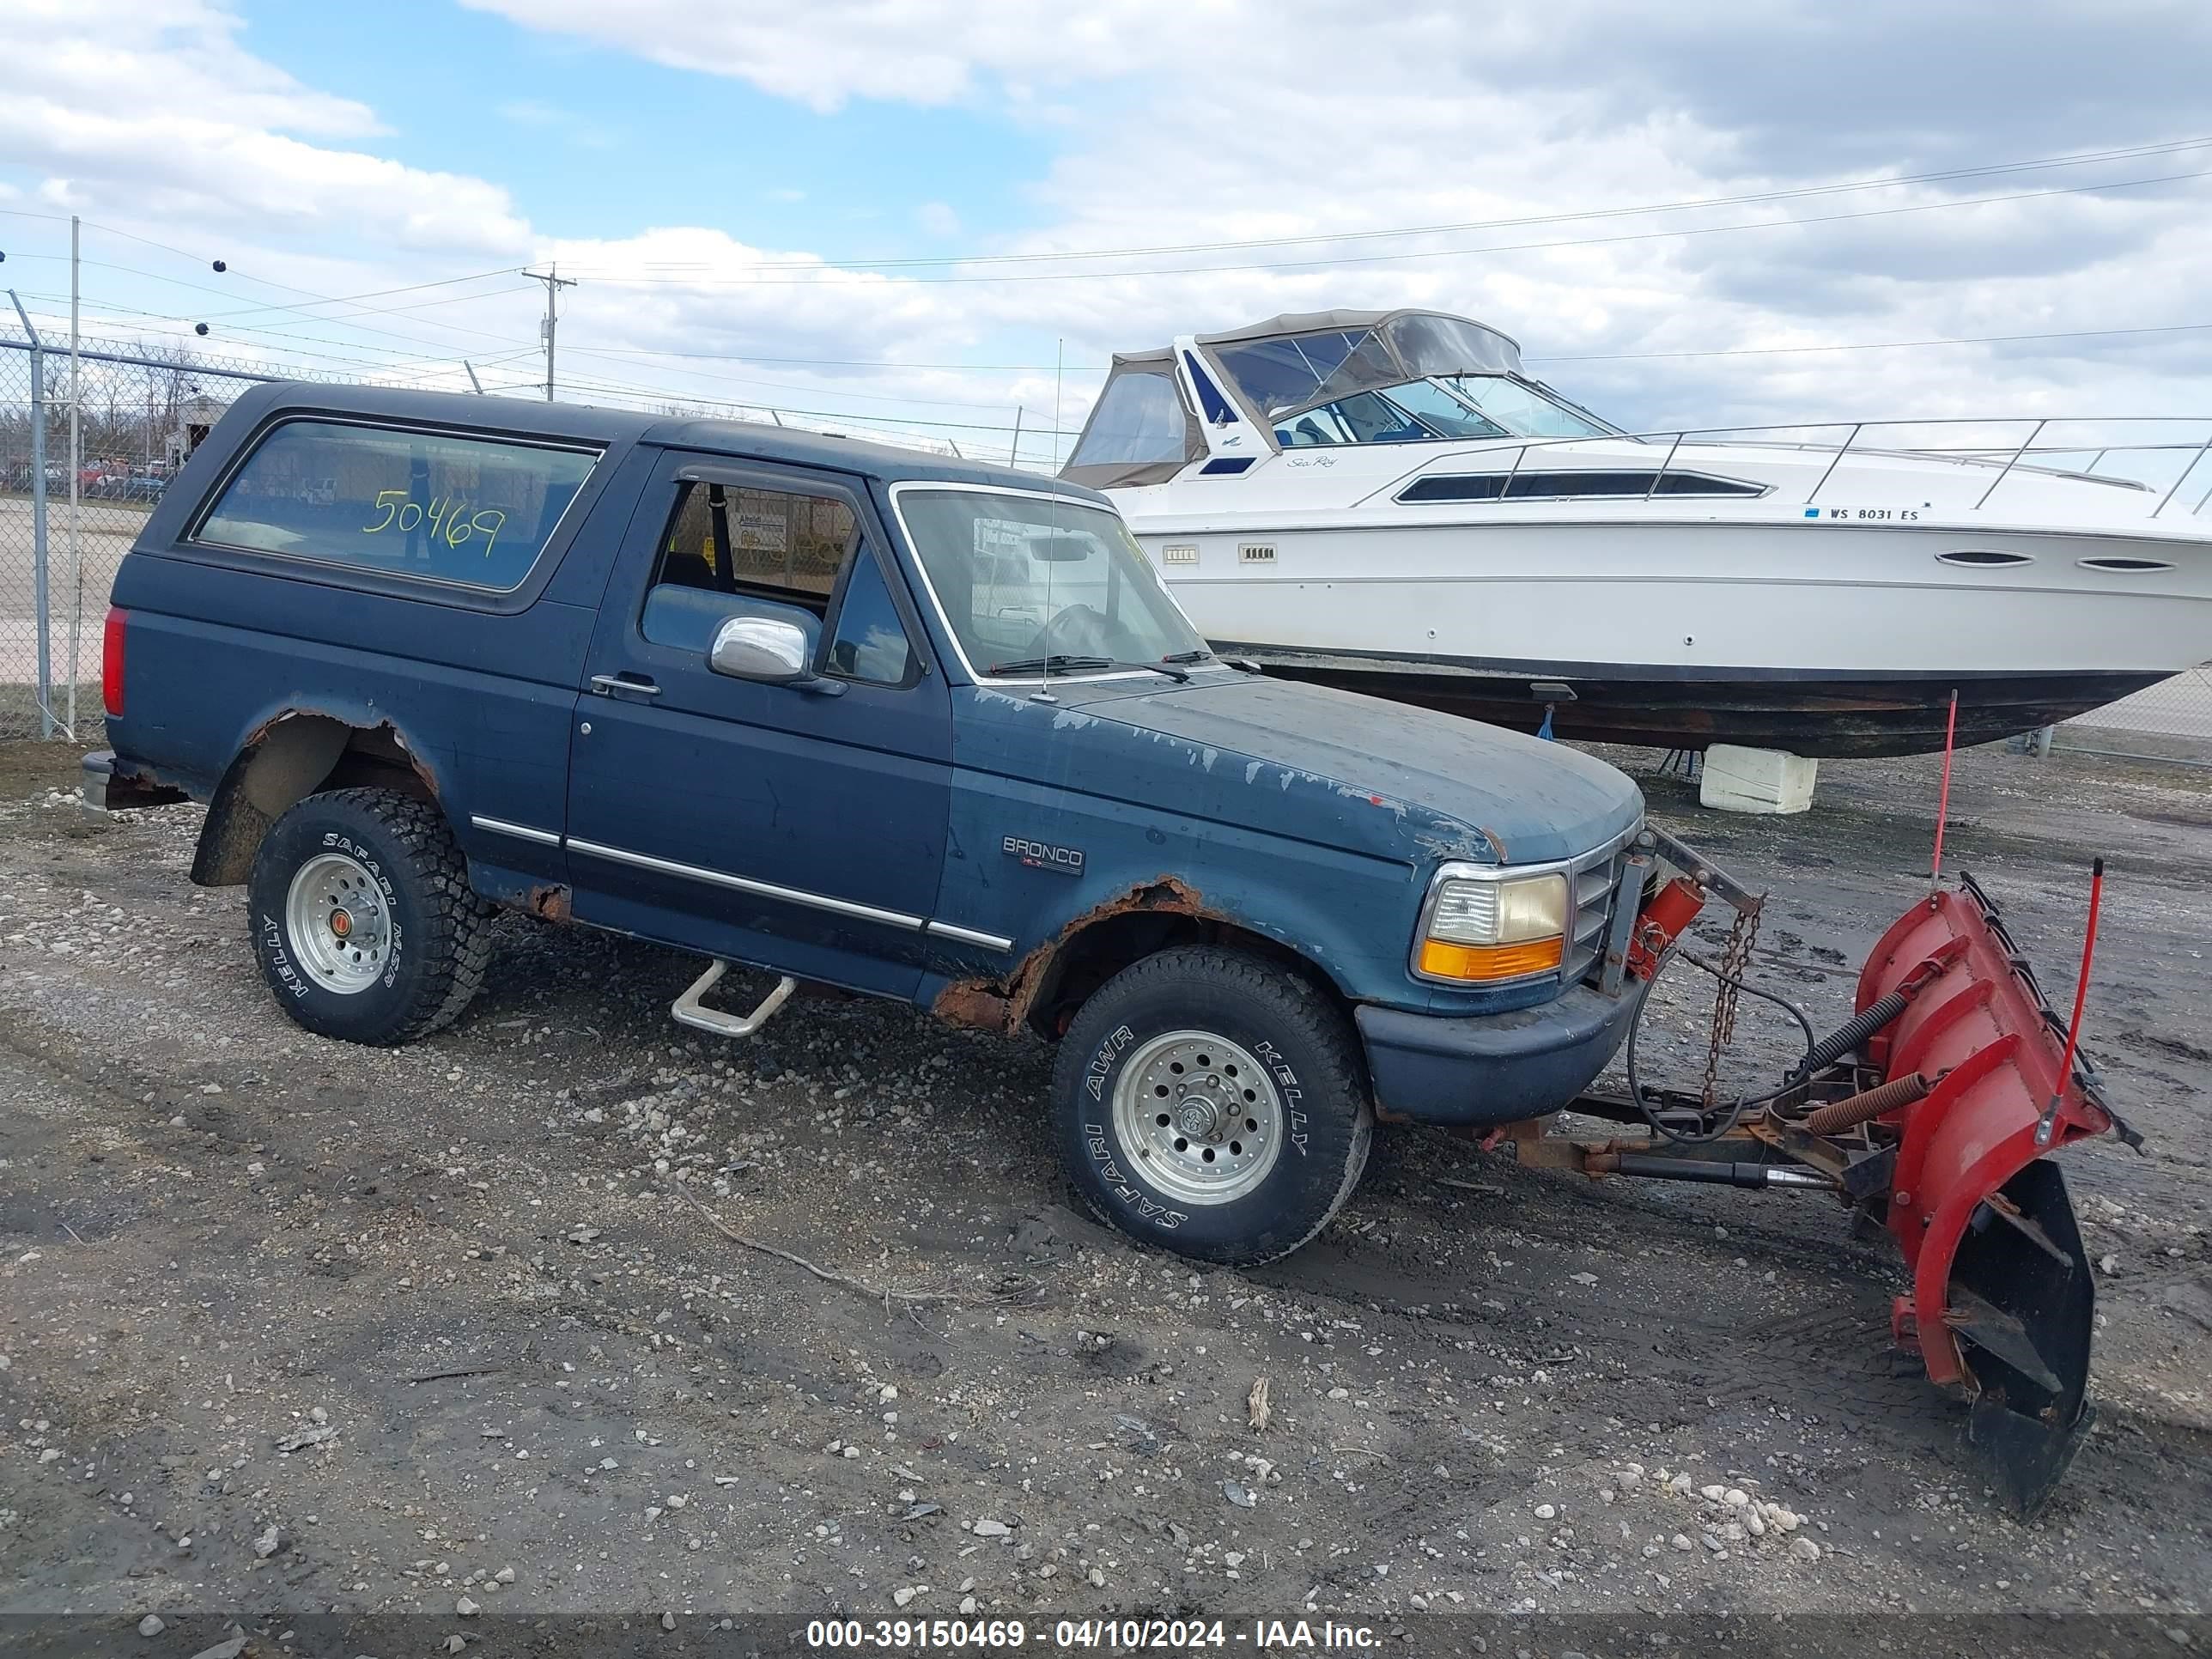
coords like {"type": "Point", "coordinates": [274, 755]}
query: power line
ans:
{"type": "Point", "coordinates": [1579, 357]}
{"type": "Point", "coordinates": [787, 386]}
{"type": "Point", "coordinates": [203, 287]}
{"type": "Point", "coordinates": [384, 293]}
{"type": "Point", "coordinates": [2081, 158]}
{"type": "Point", "coordinates": [1425, 253]}
{"type": "Point", "coordinates": [275, 334]}
{"type": "Point", "coordinates": [1872, 345]}
{"type": "Point", "coordinates": [384, 333]}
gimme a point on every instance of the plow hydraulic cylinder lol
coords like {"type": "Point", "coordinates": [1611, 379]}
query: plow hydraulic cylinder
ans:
{"type": "Point", "coordinates": [1658, 1168]}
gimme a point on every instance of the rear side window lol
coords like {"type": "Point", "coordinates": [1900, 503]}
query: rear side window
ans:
{"type": "Point", "coordinates": [475, 512]}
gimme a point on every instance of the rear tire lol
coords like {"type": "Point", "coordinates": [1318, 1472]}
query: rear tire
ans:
{"type": "Point", "coordinates": [1214, 1105]}
{"type": "Point", "coordinates": [363, 920]}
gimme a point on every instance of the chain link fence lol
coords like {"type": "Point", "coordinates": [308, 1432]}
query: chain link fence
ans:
{"type": "Point", "coordinates": [2169, 722]}
{"type": "Point", "coordinates": [141, 414]}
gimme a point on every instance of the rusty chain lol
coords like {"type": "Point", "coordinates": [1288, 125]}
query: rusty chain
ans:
{"type": "Point", "coordinates": [1735, 961]}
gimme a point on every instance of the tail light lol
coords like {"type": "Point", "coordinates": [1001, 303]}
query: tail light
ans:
{"type": "Point", "coordinates": [111, 662]}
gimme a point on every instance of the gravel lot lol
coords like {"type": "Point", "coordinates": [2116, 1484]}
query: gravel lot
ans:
{"type": "Point", "coordinates": [451, 1342]}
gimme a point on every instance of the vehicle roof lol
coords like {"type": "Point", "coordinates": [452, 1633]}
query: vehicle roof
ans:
{"type": "Point", "coordinates": [524, 417]}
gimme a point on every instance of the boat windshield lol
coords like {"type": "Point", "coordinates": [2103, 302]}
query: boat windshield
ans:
{"type": "Point", "coordinates": [1418, 411]}
{"type": "Point", "coordinates": [1021, 578]}
{"type": "Point", "coordinates": [1409, 378]}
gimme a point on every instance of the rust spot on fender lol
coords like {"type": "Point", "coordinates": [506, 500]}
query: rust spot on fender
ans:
{"type": "Point", "coordinates": [552, 901]}
{"type": "Point", "coordinates": [1001, 1004]}
{"type": "Point", "coordinates": [981, 1004]}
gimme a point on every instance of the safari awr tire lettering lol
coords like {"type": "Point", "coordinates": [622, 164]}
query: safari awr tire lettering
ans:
{"type": "Point", "coordinates": [368, 930]}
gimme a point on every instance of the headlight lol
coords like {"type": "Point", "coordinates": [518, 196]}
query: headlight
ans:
{"type": "Point", "coordinates": [1482, 928]}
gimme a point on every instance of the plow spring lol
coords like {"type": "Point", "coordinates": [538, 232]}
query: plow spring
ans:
{"type": "Point", "coordinates": [1928, 1113]}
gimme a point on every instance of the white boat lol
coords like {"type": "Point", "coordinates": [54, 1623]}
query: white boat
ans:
{"type": "Point", "coordinates": [1384, 500]}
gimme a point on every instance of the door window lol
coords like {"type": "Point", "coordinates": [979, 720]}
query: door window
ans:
{"type": "Point", "coordinates": [736, 551]}
{"type": "Point", "coordinates": [774, 542]}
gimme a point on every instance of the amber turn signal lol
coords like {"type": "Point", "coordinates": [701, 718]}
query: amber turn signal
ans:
{"type": "Point", "coordinates": [1481, 962]}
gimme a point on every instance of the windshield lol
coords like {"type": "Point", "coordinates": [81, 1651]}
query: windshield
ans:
{"type": "Point", "coordinates": [1021, 578]}
{"type": "Point", "coordinates": [1523, 410]}
{"type": "Point", "coordinates": [1414, 411]}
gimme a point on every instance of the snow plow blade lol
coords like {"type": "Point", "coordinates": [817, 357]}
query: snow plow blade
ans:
{"type": "Point", "coordinates": [1928, 1113]}
{"type": "Point", "coordinates": [2004, 1298]}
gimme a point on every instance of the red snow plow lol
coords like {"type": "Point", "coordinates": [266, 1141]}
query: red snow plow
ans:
{"type": "Point", "coordinates": [1928, 1113]}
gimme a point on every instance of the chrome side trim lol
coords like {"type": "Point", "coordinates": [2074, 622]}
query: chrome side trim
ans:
{"type": "Point", "coordinates": [744, 885]}
{"type": "Point", "coordinates": [969, 936]}
{"type": "Point", "coordinates": [520, 831]}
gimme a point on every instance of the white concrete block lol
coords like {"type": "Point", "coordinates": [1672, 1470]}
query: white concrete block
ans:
{"type": "Point", "coordinates": [1739, 780]}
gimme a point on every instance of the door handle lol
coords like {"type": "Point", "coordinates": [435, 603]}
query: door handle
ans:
{"type": "Point", "coordinates": [608, 684]}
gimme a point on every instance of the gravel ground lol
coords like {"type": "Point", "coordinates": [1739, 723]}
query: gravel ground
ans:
{"type": "Point", "coordinates": [455, 1337]}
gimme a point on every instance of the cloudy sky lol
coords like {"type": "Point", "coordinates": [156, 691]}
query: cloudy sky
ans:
{"type": "Point", "coordinates": [846, 205]}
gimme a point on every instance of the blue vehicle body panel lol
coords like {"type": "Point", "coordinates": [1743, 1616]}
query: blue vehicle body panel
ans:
{"type": "Point", "coordinates": [1446, 788]}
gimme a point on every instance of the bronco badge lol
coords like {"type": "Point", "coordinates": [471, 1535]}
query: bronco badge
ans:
{"type": "Point", "coordinates": [1042, 855]}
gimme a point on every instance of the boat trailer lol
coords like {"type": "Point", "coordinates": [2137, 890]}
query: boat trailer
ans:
{"type": "Point", "coordinates": [1928, 1114]}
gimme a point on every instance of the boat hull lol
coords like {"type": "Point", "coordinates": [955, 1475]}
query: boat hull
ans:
{"type": "Point", "coordinates": [1820, 716]}
{"type": "Point", "coordinates": [1821, 638]}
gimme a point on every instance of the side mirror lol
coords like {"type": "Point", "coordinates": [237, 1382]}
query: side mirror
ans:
{"type": "Point", "coordinates": [760, 648]}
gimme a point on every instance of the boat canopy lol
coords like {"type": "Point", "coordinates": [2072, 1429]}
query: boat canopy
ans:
{"type": "Point", "coordinates": [1139, 432]}
{"type": "Point", "coordinates": [1290, 364]}
{"type": "Point", "coordinates": [1142, 431]}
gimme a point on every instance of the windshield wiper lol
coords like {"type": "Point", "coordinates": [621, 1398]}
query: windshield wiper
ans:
{"type": "Point", "coordinates": [1060, 661]}
{"type": "Point", "coordinates": [1202, 654]}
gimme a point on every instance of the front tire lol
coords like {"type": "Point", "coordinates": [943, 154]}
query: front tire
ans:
{"type": "Point", "coordinates": [363, 920]}
{"type": "Point", "coordinates": [1213, 1103]}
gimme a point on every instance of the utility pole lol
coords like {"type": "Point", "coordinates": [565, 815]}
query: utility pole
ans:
{"type": "Point", "coordinates": [554, 282]}
{"type": "Point", "coordinates": [42, 619]}
{"type": "Point", "coordinates": [76, 470]}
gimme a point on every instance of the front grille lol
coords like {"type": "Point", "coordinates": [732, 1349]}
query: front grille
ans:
{"type": "Point", "coordinates": [1596, 880]}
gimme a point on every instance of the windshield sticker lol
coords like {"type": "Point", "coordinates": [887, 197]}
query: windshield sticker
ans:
{"type": "Point", "coordinates": [1003, 535]}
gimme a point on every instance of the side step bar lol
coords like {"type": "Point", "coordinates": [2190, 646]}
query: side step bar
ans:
{"type": "Point", "coordinates": [687, 1011]}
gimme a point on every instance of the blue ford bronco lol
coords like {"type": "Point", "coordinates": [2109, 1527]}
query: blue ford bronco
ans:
{"type": "Point", "coordinates": [919, 728]}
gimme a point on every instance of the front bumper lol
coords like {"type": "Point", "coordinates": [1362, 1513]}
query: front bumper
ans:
{"type": "Point", "coordinates": [1484, 1069]}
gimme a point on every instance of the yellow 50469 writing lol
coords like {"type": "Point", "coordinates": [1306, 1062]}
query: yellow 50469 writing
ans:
{"type": "Point", "coordinates": [445, 517]}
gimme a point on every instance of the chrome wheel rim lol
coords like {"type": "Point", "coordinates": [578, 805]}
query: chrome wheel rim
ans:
{"type": "Point", "coordinates": [1199, 1116]}
{"type": "Point", "coordinates": [337, 924]}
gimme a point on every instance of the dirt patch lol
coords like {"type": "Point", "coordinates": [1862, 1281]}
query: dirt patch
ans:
{"type": "Point", "coordinates": [221, 1237]}
{"type": "Point", "coordinates": [32, 767]}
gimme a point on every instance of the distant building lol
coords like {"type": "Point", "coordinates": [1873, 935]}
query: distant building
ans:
{"type": "Point", "coordinates": [196, 417]}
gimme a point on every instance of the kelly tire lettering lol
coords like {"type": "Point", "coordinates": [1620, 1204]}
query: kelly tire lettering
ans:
{"type": "Point", "coordinates": [1292, 1026]}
